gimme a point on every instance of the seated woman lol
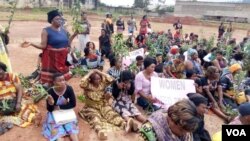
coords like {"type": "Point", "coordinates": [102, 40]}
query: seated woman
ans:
{"type": "Point", "coordinates": [143, 83]}
{"type": "Point", "coordinates": [159, 63]}
{"type": "Point", "coordinates": [193, 62]}
{"type": "Point", "coordinates": [61, 96]}
{"type": "Point", "coordinates": [91, 60]}
{"type": "Point", "coordinates": [21, 112]}
{"type": "Point", "coordinates": [97, 111]}
{"type": "Point", "coordinates": [176, 125]}
{"type": "Point", "coordinates": [139, 64]}
{"type": "Point", "coordinates": [237, 59]}
{"type": "Point", "coordinates": [93, 50]}
{"type": "Point", "coordinates": [200, 134]}
{"type": "Point", "coordinates": [123, 91]}
{"type": "Point", "coordinates": [176, 67]}
{"type": "Point", "coordinates": [227, 83]}
{"type": "Point", "coordinates": [115, 68]}
{"type": "Point", "coordinates": [212, 89]}
{"type": "Point", "coordinates": [221, 60]}
{"type": "Point", "coordinates": [242, 119]}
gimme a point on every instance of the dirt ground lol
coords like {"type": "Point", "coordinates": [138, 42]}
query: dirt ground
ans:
{"type": "Point", "coordinates": [24, 61]}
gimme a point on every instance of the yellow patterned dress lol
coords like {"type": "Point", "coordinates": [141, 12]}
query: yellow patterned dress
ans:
{"type": "Point", "coordinates": [97, 111]}
{"type": "Point", "coordinates": [28, 110]}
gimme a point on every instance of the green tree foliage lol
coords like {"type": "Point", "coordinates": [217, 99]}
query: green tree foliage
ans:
{"type": "Point", "coordinates": [141, 3]}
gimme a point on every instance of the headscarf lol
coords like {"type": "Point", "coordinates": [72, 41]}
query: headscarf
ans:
{"type": "Point", "coordinates": [52, 14]}
{"type": "Point", "coordinates": [235, 67]}
{"type": "Point", "coordinates": [174, 49]}
{"type": "Point", "coordinates": [244, 109]}
{"type": "Point", "coordinates": [192, 52]}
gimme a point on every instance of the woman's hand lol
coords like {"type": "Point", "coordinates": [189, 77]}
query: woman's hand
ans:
{"type": "Point", "coordinates": [151, 99]}
{"type": "Point", "coordinates": [215, 105]}
{"type": "Point", "coordinates": [18, 106]}
{"type": "Point", "coordinates": [221, 105]}
{"type": "Point", "coordinates": [50, 100]}
{"type": "Point", "coordinates": [108, 95]}
{"type": "Point", "coordinates": [25, 44]}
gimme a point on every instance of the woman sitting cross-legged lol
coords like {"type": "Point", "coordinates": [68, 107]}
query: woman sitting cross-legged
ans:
{"type": "Point", "coordinates": [61, 96]}
{"type": "Point", "coordinates": [123, 91]}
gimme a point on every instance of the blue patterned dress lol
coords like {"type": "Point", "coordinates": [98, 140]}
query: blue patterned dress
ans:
{"type": "Point", "coordinates": [52, 131]}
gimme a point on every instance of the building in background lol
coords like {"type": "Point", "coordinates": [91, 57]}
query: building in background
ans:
{"type": "Point", "coordinates": [220, 11]}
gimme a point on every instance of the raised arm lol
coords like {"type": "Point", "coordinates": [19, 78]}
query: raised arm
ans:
{"type": "Point", "coordinates": [44, 41]}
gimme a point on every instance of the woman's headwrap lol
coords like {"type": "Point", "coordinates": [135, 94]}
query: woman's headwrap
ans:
{"type": "Point", "coordinates": [235, 67]}
{"type": "Point", "coordinates": [52, 14]}
{"type": "Point", "coordinates": [174, 49]}
{"type": "Point", "coordinates": [192, 52]}
{"type": "Point", "coordinates": [244, 109]}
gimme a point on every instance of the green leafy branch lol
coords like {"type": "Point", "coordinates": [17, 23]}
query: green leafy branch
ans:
{"type": "Point", "coordinates": [81, 98]}
{"type": "Point", "coordinates": [76, 13]}
{"type": "Point", "coordinates": [119, 47]}
{"type": "Point", "coordinates": [79, 71]}
{"type": "Point", "coordinates": [24, 81]}
{"type": "Point", "coordinates": [12, 11]}
{"type": "Point", "coordinates": [4, 106]}
{"type": "Point", "coordinates": [246, 60]}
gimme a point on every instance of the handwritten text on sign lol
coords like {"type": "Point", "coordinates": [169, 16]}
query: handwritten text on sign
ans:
{"type": "Point", "coordinates": [169, 91]}
{"type": "Point", "coordinates": [132, 56]}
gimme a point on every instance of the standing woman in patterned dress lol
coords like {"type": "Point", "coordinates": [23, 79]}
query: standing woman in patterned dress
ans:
{"type": "Point", "coordinates": [55, 44]}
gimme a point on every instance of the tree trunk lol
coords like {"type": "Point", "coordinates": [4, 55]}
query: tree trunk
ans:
{"type": "Point", "coordinates": [96, 4]}
{"type": "Point", "coordinates": [40, 3]}
{"type": "Point", "coordinates": [70, 3]}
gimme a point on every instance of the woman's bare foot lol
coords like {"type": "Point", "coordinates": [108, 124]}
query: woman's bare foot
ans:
{"type": "Point", "coordinates": [129, 125]}
{"type": "Point", "coordinates": [135, 126]}
{"type": "Point", "coordinates": [102, 135]}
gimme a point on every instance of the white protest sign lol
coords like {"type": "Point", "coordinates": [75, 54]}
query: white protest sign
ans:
{"type": "Point", "coordinates": [169, 91]}
{"type": "Point", "coordinates": [132, 56]}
